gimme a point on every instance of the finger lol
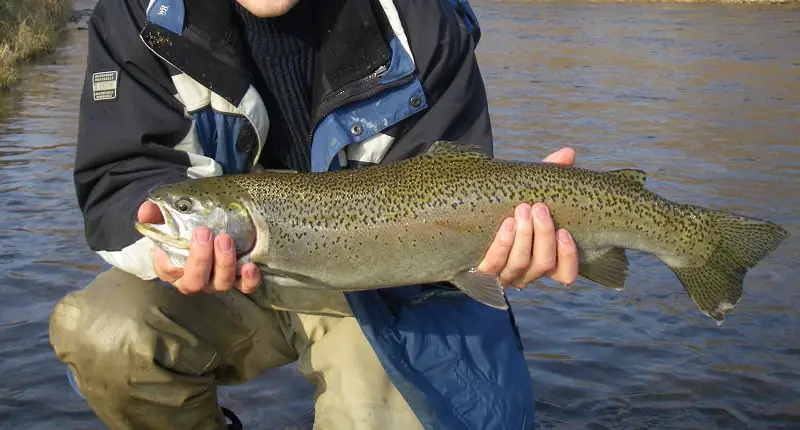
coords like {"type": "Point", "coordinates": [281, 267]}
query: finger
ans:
{"type": "Point", "coordinates": [564, 156]}
{"type": "Point", "coordinates": [149, 213]}
{"type": "Point", "coordinates": [224, 263]}
{"type": "Point", "coordinates": [164, 270]}
{"type": "Point", "coordinates": [197, 272]}
{"type": "Point", "coordinates": [497, 255]}
{"type": "Point", "coordinates": [566, 271]}
{"type": "Point", "coordinates": [251, 278]}
{"type": "Point", "coordinates": [520, 256]}
{"type": "Point", "coordinates": [544, 244]}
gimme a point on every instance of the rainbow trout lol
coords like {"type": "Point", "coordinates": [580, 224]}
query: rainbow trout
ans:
{"type": "Point", "coordinates": [431, 218]}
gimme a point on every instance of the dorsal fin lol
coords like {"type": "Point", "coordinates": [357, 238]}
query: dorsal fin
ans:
{"type": "Point", "coordinates": [635, 176]}
{"type": "Point", "coordinates": [441, 147]}
{"type": "Point", "coordinates": [279, 171]}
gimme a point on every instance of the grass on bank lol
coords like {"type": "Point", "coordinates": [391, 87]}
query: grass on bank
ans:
{"type": "Point", "coordinates": [28, 28]}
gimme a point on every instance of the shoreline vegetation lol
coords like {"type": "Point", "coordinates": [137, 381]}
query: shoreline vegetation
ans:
{"type": "Point", "coordinates": [28, 29]}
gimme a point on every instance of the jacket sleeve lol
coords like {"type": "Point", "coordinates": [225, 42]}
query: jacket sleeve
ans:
{"type": "Point", "coordinates": [443, 36]}
{"type": "Point", "coordinates": [129, 125]}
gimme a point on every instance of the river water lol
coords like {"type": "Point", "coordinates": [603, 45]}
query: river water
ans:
{"type": "Point", "coordinates": [705, 98]}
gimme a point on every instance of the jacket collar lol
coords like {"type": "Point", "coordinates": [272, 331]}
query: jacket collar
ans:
{"type": "Point", "coordinates": [203, 40]}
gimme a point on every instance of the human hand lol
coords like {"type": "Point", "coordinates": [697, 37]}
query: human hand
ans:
{"type": "Point", "coordinates": [211, 265]}
{"type": "Point", "coordinates": [554, 253]}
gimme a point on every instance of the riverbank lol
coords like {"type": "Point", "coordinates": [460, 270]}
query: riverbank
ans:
{"type": "Point", "coordinates": [28, 28]}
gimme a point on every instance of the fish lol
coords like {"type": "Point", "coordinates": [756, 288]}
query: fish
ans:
{"type": "Point", "coordinates": [430, 219]}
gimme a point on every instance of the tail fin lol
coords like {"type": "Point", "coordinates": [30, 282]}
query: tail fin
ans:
{"type": "Point", "coordinates": [742, 242]}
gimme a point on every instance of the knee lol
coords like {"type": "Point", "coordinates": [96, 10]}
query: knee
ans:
{"type": "Point", "coordinates": [121, 327]}
{"type": "Point", "coordinates": [80, 330]}
{"type": "Point", "coordinates": [100, 329]}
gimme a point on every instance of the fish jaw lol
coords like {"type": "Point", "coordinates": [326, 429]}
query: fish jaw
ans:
{"type": "Point", "coordinates": [174, 235]}
{"type": "Point", "coordinates": [167, 233]}
{"type": "Point", "coordinates": [166, 236]}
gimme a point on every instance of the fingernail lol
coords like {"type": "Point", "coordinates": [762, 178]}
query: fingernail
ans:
{"type": "Point", "coordinates": [541, 212]}
{"type": "Point", "coordinates": [202, 235]}
{"type": "Point", "coordinates": [523, 212]}
{"type": "Point", "coordinates": [253, 275]}
{"type": "Point", "coordinates": [225, 243]}
{"type": "Point", "coordinates": [564, 238]}
{"type": "Point", "coordinates": [507, 229]}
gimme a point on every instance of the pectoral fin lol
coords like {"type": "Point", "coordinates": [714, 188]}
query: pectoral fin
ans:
{"type": "Point", "coordinates": [483, 287]}
{"type": "Point", "coordinates": [608, 268]}
{"type": "Point", "coordinates": [291, 280]}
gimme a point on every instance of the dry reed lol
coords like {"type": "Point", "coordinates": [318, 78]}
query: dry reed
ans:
{"type": "Point", "coordinates": [28, 29]}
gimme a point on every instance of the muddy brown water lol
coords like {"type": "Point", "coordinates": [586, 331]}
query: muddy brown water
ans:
{"type": "Point", "coordinates": [705, 98]}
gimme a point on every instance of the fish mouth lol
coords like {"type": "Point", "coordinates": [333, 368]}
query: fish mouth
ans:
{"type": "Point", "coordinates": [167, 233]}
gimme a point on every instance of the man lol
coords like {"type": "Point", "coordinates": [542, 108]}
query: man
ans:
{"type": "Point", "coordinates": [180, 89]}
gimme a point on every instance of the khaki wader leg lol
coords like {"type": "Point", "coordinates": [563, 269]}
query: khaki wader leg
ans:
{"type": "Point", "coordinates": [147, 357]}
{"type": "Point", "coordinates": [353, 390]}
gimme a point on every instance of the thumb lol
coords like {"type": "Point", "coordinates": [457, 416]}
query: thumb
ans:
{"type": "Point", "coordinates": [564, 156]}
{"type": "Point", "coordinates": [149, 213]}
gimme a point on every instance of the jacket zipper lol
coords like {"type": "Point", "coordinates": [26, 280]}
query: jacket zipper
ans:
{"type": "Point", "coordinates": [355, 91]}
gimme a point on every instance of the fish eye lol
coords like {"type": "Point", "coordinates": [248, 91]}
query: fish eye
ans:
{"type": "Point", "coordinates": [184, 205]}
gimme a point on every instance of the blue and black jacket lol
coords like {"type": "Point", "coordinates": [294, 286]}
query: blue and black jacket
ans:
{"type": "Point", "coordinates": [161, 104]}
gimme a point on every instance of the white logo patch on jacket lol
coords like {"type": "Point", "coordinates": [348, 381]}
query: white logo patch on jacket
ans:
{"type": "Point", "coordinates": [104, 85]}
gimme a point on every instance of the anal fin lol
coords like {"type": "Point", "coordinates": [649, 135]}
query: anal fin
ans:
{"type": "Point", "coordinates": [483, 287]}
{"type": "Point", "coordinates": [715, 288]}
{"type": "Point", "coordinates": [608, 267]}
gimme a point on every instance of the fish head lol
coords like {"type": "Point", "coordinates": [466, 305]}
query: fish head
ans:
{"type": "Point", "coordinates": [189, 204]}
